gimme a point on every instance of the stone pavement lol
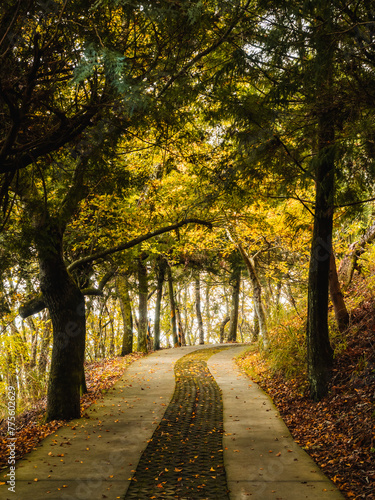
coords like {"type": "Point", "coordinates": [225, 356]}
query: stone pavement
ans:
{"type": "Point", "coordinates": [95, 457]}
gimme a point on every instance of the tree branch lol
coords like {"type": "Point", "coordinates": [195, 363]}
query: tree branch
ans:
{"type": "Point", "coordinates": [32, 306]}
{"type": "Point", "coordinates": [132, 243]}
{"type": "Point", "coordinates": [37, 304]}
{"type": "Point", "coordinates": [206, 51]}
{"type": "Point", "coordinates": [62, 135]}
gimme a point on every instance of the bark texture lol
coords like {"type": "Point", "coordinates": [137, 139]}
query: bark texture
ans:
{"type": "Point", "coordinates": [66, 307]}
{"type": "Point", "coordinates": [46, 339]}
{"type": "Point", "coordinates": [236, 283]}
{"type": "Point", "coordinates": [122, 289]}
{"type": "Point", "coordinates": [257, 296]}
{"type": "Point", "coordinates": [142, 294]}
{"type": "Point", "coordinates": [172, 307]}
{"type": "Point", "coordinates": [160, 275]}
{"type": "Point", "coordinates": [341, 312]}
{"type": "Point", "coordinates": [222, 328]}
{"type": "Point", "coordinates": [319, 351]}
{"type": "Point", "coordinates": [198, 309]}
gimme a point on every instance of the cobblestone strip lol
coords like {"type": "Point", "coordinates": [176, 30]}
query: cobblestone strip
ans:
{"type": "Point", "coordinates": [184, 458]}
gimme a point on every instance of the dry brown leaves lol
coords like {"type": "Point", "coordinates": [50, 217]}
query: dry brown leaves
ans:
{"type": "Point", "coordinates": [338, 432]}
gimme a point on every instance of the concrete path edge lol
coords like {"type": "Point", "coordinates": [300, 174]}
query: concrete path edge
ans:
{"type": "Point", "coordinates": [261, 458]}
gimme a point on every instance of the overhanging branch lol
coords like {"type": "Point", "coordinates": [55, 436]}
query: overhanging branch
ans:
{"type": "Point", "coordinates": [136, 241]}
{"type": "Point", "coordinates": [37, 304]}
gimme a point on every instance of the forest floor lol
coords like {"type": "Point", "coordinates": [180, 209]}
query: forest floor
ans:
{"type": "Point", "coordinates": [338, 432]}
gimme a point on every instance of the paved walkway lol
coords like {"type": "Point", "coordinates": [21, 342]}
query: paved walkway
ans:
{"type": "Point", "coordinates": [262, 460]}
{"type": "Point", "coordinates": [95, 457]}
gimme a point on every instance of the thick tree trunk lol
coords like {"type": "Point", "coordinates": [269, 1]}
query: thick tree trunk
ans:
{"type": "Point", "coordinates": [66, 306]}
{"type": "Point", "coordinates": [257, 296]}
{"type": "Point", "coordinates": [172, 307]}
{"type": "Point", "coordinates": [122, 289]}
{"type": "Point", "coordinates": [319, 351]}
{"type": "Point", "coordinates": [160, 273]}
{"type": "Point", "coordinates": [341, 313]}
{"type": "Point", "coordinates": [198, 309]}
{"type": "Point", "coordinates": [222, 328]}
{"type": "Point", "coordinates": [236, 283]}
{"type": "Point", "coordinates": [142, 294]}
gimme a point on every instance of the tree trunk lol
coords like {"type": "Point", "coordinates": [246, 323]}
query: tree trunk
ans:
{"type": "Point", "coordinates": [122, 289]}
{"type": "Point", "coordinates": [66, 306]}
{"type": "Point", "coordinates": [208, 314]}
{"type": "Point", "coordinates": [43, 356]}
{"type": "Point", "coordinates": [181, 333]}
{"type": "Point", "coordinates": [290, 296]}
{"type": "Point", "coordinates": [319, 351]}
{"type": "Point", "coordinates": [111, 350]}
{"type": "Point", "coordinates": [255, 335]}
{"type": "Point", "coordinates": [173, 307]}
{"type": "Point", "coordinates": [102, 330]}
{"type": "Point", "coordinates": [198, 309]}
{"type": "Point", "coordinates": [236, 283]}
{"type": "Point", "coordinates": [186, 326]}
{"type": "Point", "coordinates": [143, 294]}
{"type": "Point", "coordinates": [257, 296]}
{"type": "Point", "coordinates": [222, 328]}
{"type": "Point", "coordinates": [160, 274]}
{"type": "Point", "coordinates": [341, 313]}
{"type": "Point", "coordinates": [34, 342]}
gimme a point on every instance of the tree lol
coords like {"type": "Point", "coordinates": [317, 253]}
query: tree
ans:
{"type": "Point", "coordinates": [290, 89]}
{"type": "Point", "coordinates": [350, 260]}
{"type": "Point", "coordinates": [222, 327]}
{"type": "Point", "coordinates": [67, 311]}
{"type": "Point", "coordinates": [122, 291]}
{"type": "Point", "coordinates": [142, 304]}
{"type": "Point", "coordinates": [161, 266]}
{"type": "Point", "coordinates": [198, 308]}
{"type": "Point", "coordinates": [341, 312]}
{"type": "Point", "coordinates": [235, 281]}
{"type": "Point", "coordinates": [172, 305]}
{"type": "Point", "coordinates": [257, 295]}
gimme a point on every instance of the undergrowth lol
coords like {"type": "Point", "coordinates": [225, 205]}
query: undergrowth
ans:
{"type": "Point", "coordinates": [338, 432]}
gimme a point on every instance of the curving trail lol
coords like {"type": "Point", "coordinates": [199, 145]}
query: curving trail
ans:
{"type": "Point", "coordinates": [184, 458]}
{"type": "Point", "coordinates": [180, 424]}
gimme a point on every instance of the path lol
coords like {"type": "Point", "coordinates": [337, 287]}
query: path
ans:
{"type": "Point", "coordinates": [185, 457]}
{"type": "Point", "coordinates": [95, 457]}
{"type": "Point", "coordinates": [262, 460]}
